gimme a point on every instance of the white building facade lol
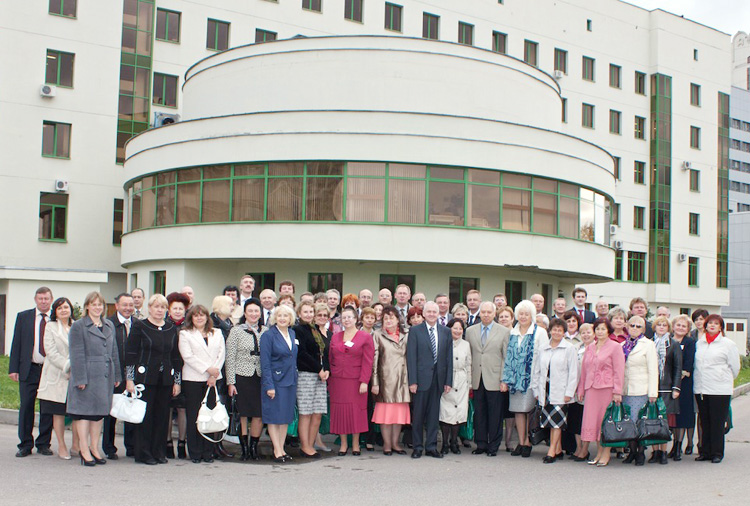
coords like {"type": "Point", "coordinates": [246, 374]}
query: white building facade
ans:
{"type": "Point", "coordinates": [488, 145]}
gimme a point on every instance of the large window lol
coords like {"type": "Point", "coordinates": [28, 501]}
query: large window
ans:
{"type": "Point", "coordinates": [165, 90]}
{"type": "Point", "coordinates": [459, 286]}
{"type": "Point", "coordinates": [430, 26]}
{"type": "Point", "coordinates": [618, 264]}
{"type": "Point", "coordinates": [312, 5]}
{"type": "Point", "coordinates": [636, 266]}
{"type": "Point", "coordinates": [499, 42]}
{"type": "Point", "coordinates": [59, 70]}
{"type": "Point", "coordinates": [168, 25]}
{"type": "Point", "coordinates": [117, 221]}
{"type": "Point", "coordinates": [588, 69]}
{"type": "Point", "coordinates": [65, 8]}
{"type": "Point", "coordinates": [465, 33]}
{"type": "Point", "coordinates": [561, 60]}
{"type": "Point", "coordinates": [217, 36]}
{"type": "Point", "coordinates": [393, 18]}
{"type": "Point", "coordinates": [56, 139]}
{"type": "Point", "coordinates": [53, 214]}
{"type": "Point", "coordinates": [320, 282]}
{"type": "Point", "coordinates": [391, 281]}
{"type": "Point", "coordinates": [531, 52]}
{"type": "Point", "coordinates": [353, 10]}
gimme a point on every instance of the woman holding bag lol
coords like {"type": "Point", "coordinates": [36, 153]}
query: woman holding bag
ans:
{"type": "Point", "coordinates": [202, 349]}
{"type": "Point", "coordinates": [684, 419]}
{"type": "Point", "coordinates": [670, 377]}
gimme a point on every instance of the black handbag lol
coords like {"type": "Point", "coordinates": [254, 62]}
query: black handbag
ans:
{"type": "Point", "coordinates": [617, 426]}
{"type": "Point", "coordinates": [537, 434]}
{"type": "Point", "coordinates": [235, 425]}
{"type": "Point", "coordinates": [652, 426]}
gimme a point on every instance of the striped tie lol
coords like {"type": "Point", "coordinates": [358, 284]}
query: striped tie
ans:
{"type": "Point", "coordinates": [433, 343]}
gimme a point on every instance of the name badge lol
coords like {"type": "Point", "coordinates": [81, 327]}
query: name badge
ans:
{"type": "Point", "coordinates": [141, 369]}
{"type": "Point", "coordinates": [296, 341]}
{"type": "Point", "coordinates": [277, 372]}
{"type": "Point", "coordinates": [349, 344]}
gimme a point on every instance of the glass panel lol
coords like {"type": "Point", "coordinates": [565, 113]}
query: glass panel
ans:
{"type": "Point", "coordinates": [446, 173]}
{"type": "Point", "coordinates": [135, 220]}
{"type": "Point", "coordinates": [142, 81]}
{"type": "Point", "coordinates": [484, 206]}
{"type": "Point", "coordinates": [586, 194]}
{"type": "Point", "coordinates": [48, 139]}
{"type": "Point", "coordinates": [569, 190]}
{"type": "Point", "coordinates": [165, 205]}
{"type": "Point", "coordinates": [128, 40]}
{"type": "Point", "coordinates": [545, 185]}
{"type": "Point", "coordinates": [249, 170]}
{"type": "Point", "coordinates": [569, 217]}
{"type": "Point", "coordinates": [286, 169]}
{"type": "Point", "coordinates": [601, 224]}
{"type": "Point", "coordinates": [217, 172]}
{"type": "Point", "coordinates": [365, 169]}
{"type": "Point", "coordinates": [446, 203]}
{"type": "Point", "coordinates": [161, 24]}
{"type": "Point", "coordinates": [365, 199]}
{"type": "Point", "coordinates": [146, 16]}
{"type": "Point", "coordinates": [188, 202]}
{"type": "Point", "coordinates": [140, 109]}
{"type": "Point", "coordinates": [545, 213]}
{"type": "Point", "coordinates": [215, 201]}
{"type": "Point", "coordinates": [516, 209]}
{"type": "Point", "coordinates": [325, 168]}
{"type": "Point", "coordinates": [406, 200]}
{"type": "Point", "coordinates": [130, 13]}
{"type": "Point", "coordinates": [58, 199]}
{"type": "Point", "coordinates": [324, 199]}
{"type": "Point", "coordinates": [59, 231]}
{"type": "Point", "coordinates": [174, 27]}
{"type": "Point", "coordinates": [223, 36]}
{"type": "Point", "coordinates": [516, 181]}
{"type": "Point", "coordinates": [66, 69]}
{"type": "Point", "coordinates": [165, 177]}
{"type": "Point", "coordinates": [69, 8]}
{"type": "Point", "coordinates": [143, 43]}
{"type": "Point", "coordinates": [587, 219]}
{"type": "Point", "coordinates": [148, 208]}
{"type": "Point", "coordinates": [148, 181]}
{"type": "Point", "coordinates": [125, 107]}
{"type": "Point", "coordinates": [63, 140]}
{"type": "Point", "coordinates": [50, 75]}
{"type": "Point", "coordinates": [404, 170]}
{"type": "Point", "coordinates": [484, 176]}
{"type": "Point", "coordinates": [127, 78]}
{"type": "Point", "coordinates": [247, 199]}
{"type": "Point", "coordinates": [189, 175]}
{"type": "Point", "coordinates": [170, 91]}
{"type": "Point", "coordinates": [284, 199]}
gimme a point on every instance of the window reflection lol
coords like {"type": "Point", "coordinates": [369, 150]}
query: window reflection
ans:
{"type": "Point", "coordinates": [215, 201]}
{"type": "Point", "coordinates": [484, 206]}
{"type": "Point", "coordinates": [406, 201]}
{"type": "Point", "coordinates": [365, 199]}
{"type": "Point", "coordinates": [324, 199]}
{"type": "Point", "coordinates": [188, 201]}
{"type": "Point", "coordinates": [446, 203]}
{"type": "Point", "coordinates": [284, 199]}
{"type": "Point", "coordinates": [247, 199]}
{"type": "Point", "coordinates": [516, 209]}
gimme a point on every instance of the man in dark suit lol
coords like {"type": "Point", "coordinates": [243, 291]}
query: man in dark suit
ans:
{"type": "Point", "coordinates": [473, 299]}
{"type": "Point", "coordinates": [429, 361]}
{"type": "Point", "coordinates": [26, 361]}
{"type": "Point", "coordinates": [122, 321]}
{"type": "Point", "coordinates": [579, 303]}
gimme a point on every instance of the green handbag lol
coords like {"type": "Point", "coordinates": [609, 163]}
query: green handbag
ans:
{"type": "Point", "coordinates": [466, 432]}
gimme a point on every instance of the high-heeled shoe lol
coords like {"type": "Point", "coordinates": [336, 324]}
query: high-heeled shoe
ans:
{"type": "Point", "coordinates": [689, 450]}
{"type": "Point", "coordinates": [181, 453]}
{"type": "Point", "coordinates": [356, 453]}
{"type": "Point", "coordinates": [64, 457]}
{"type": "Point", "coordinates": [602, 464]}
{"type": "Point", "coordinates": [593, 462]}
{"type": "Point", "coordinates": [170, 449]}
{"type": "Point", "coordinates": [99, 461]}
{"type": "Point", "coordinates": [342, 453]}
{"type": "Point", "coordinates": [87, 463]}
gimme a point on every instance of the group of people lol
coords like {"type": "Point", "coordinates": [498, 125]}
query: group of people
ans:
{"type": "Point", "coordinates": [372, 369]}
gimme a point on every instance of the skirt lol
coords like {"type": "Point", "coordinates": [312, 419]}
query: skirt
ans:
{"type": "Point", "coordinates": [51, 407]}
{"type": "Point", "coordinates": [595, 402]}
{"type": "Point", "coordinates": [521, 402]}
{"type": "Point", "coordinates": [635, 402]}
{"type": "Point", "coordinates": [387, 413]}
{"type": "Point", "coordinates": [685, 418]}
{"type": "Point", "coordinates": [90, 418]}
{"type": "Point", "coordinates": [312, 395]}
{"type": "Point", "coordinates": [248, 395]}
{"type": "Point", "coordinates": [280, 409]}
{"type": "Point", "coordinates": [575, 418]}
{"type": "Point", "coordinates": [348, 407]}
{"type": "Point", "coordinates": [554, 416]}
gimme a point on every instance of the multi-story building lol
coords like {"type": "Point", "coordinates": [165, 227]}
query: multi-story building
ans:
{"type": "Point", "coordinates": [447, 145]}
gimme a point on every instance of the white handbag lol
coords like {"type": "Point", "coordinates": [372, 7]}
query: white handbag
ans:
{"type": "Point", "coordinates": [129, 408]}
{"type": "Point", "coordinates": [214, 420]}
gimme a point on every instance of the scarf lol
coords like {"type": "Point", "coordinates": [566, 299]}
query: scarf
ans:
{"type": "Point", "coordinates": [662, 343]}
{"type": "Point", "coordinates": [517, 372]}
{"type": "Point", "coordinates": [711, 338]}
{"type": "Point", "coordinates": [629, 344]}
{"type": "Point", "coordinates": [318, 338]}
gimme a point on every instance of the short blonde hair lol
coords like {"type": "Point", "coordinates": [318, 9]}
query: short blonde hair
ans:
{"type": "Point", "coordinates": [528, 306]}
{"type": "Point", "coordinates": [91, 298]}
{"type": "Point", "coordinates": [506, 309]}
{"type": "Point", "coordinates": [586, 326]}
{"type": "Point", "coordinates": [685, 318]}
{"type": "Point", "coordinates": [222, 306]}
{"type": "Point", "coordinates": [459, 307]}
{"type": "Point", "coordinates": [282, 309]}
{"type": "Point", "coordinates": [158, 299]}
{"type": "Point", "coordinates": [320, 308]}
{"type": "Point", "coordinates": [665, 320]}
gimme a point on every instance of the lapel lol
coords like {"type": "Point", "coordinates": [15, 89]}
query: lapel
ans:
{"type": "Point", "coordinates": [93, 329]}
{"type": "Point", "coordinates": [282, 342]}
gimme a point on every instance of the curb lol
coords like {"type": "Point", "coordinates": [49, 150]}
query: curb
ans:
{"type": "Point", "coordinates": [741, 390]}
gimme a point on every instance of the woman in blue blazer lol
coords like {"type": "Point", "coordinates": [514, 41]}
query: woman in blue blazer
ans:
{"type": "Point", "coordinates": [278, 361]}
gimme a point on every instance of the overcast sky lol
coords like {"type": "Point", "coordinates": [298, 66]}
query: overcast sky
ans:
{"type": "Point", "coordinates": [729, 16]}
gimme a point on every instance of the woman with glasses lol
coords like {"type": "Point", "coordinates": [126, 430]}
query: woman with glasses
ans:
{"type": "Point", "coordinates": [684, 420]}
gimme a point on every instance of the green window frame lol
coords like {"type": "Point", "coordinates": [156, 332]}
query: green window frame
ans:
{"type": "Point", "coordinates": [615, 76]}
{"type": "Point", "coordinates": [695, 137]}
{"type": "Point", "coordinates": [619, 256]}
{"type": "Point", "coordinates": [263, 281]}
{"type": "Point", "coordinates": [393, 17]}
{"type": "Point", "coordinates": [353, 10]}
{"type": "Point", "coordinates": [660, 181]}
{"type": "Point", "coordinates": [639, 172]}
{"type": "Point", "coordinates": [59, 69]}
{"type": "Point", "coordinates": [693, 263]}
{"type": "Point", "coordinates": [615, 122]}
{"type": "Point", "coordinates": [695, 180]}
{"type": "Point", "coordinates": [640, 83]}
{"type": "Point", "coordinates": [465, 33]}
{"type": "Point", "coordinates": [618, 167]}
{"type": "Point", "coordinates": [639, 129]}
{"type": "Point", "coordinates": [531, 52]}
{"type": "Point", "coordinates": [391, 281]}
{"type": "Point", "coordinates": [324, 281]}
{"type": "Point", "coordinates": [56, 139]}
{"type": "Point", "coordinates": [514, 292]}
{"type": "Point", "coordinates": [217, 35]}
{"type": "Point", "coordinates": [695, 94]}
{"type": "Point", "coordinates": [165, 90]}
{"type": "Point", "coordinates": [639, 218]}
{"type": "Point", "coordinates": [499, 42]}
{"type": "Point", "coordinates": [53, 214]}
{"type": "Point", "coordinates": [168, 25]}
{"type": "Point", "coordinates": [587, 115]}
{"type": "Point", "coordinates": [636, 266]}
{"type": "Point", "coordinates": [457, 288]}
{"type": "Point", "coordinates": [694, 223]}
{"type": "Point", "coordinates": [722, 192]}
{"type": "Point", "coordinates": [561, 60]}
{"type": "Point", "coordinates": [430, 26]}
{"type": "Point", "coordinates": [312, 5]}
{"type": "Point", "coordinates": [118, 221]}
{"type": "Point", "coordinates": [159, 282]}
{"type": "Point", "coordinates": [588, 69]}
{"type": "Point", "coordinates": [265, 36]}
{"type": "Point", "coordinates": [64, 8]}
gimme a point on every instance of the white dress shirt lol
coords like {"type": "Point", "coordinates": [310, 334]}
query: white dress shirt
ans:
{"type": "Point", "coordinates": [37, 357]}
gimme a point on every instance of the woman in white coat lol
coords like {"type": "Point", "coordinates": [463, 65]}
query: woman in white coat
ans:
{"type": "Point", "coordinates": [454, 404]}
{"type": "Point", "coordinates": [202, 349]}
{"type": "Point", "coordinates": [554, 382]}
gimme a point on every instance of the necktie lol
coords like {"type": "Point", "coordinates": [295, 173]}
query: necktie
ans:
{"type": "Point", "coordinates": [580, 312]}
{"type": "Point", "coordinates": [471, 320]}
{"type": "Point", "coordinates": [127, 327]}
{"type": "Point", "coordinates": [42, 326]}
{"type": "Point", "coordinates": [138, 313]}
{"type": "Point", "coordinates": [484, 335]}
{"type": "Point", "coordinates": [442, 320]}
{"type": "Point", "coordinates": [403, 313]}
{"type": "Point", "coordinates": [433, 342]}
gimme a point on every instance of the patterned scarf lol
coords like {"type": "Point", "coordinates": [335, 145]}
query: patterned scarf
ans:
{"type": "Point", "coordinates": [318, 338]}
{"type": "Point", "coordinates": [517, 372]}
{"type": "Point", "coordinates": [662, 343]}
{"type": "Point", "coordinates": [629, 344]}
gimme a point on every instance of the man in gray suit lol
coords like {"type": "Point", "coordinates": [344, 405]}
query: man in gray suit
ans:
{"type": "Point", "coordinates": [429, 363]}
{"type": "Point", "coordinates": [489, 344]}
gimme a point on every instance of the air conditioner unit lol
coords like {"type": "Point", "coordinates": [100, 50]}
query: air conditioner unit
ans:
{"type": "Point", "coordinates": [163, 119]}
{"type": "Point", "coordinates": [558, 74]}
{"type": "Point", "coordinates": [681, 257]}
{"type": "Point", "coordinates": [618, 244]}
{"type": "Point", "coordinates": [61, 186]}
{"type": "Point", "coordinates": [612, 229]}
{"type": "Point", "coordinates": [687, 165]}
{"type": "Point", "coordinates": [47, 91]}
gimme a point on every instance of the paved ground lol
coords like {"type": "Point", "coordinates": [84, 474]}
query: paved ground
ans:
{"type": "Point", "coordinates": [376, 479]}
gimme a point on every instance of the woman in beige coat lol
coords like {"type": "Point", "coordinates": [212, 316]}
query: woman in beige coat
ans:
{"type": "Point", "coordinates": [53, 384]}
{"type": "Point", "coordinates": [454, 404]}
{"type": "Point", "coordinates": [390, 382]}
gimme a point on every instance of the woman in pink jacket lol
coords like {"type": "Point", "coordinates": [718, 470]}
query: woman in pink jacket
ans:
{"type": "Point", "coordinates": [601, 382]}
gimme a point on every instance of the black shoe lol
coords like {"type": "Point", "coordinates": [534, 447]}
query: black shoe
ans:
{"type": "Point", "coordinates": [23, 452]}
{"type": "Point", "coordinates": [399, 452]}
{"type": "Point", "coordinates": [99, 461]}
{"type": "Point", "coordinates": [181, 453]}
{"type": "Point", "coordinates": [222, 452]}
{"type": "Point", "coordinates": [655, 457]}
{"type": "Point", "coordinates": [208, 460]}
{"type": "Point", "coordinates": [388, 453]}
{"type": "Point", "coordinates": [455, 449]}
{"type": "Point", "coordinates": [579, 459]}
{"type": "Point", "coordinates": [244, 446]}
{"type": "Point", "coordinates": [356, 453]}
{"type": "Point", "coordinates": [560, 456]}
{"type": "Point", "coordinates": [434, 453]}
{"type": "Point", "coordinates": [678, 454]}
{"type": "Point", "coordinates": [716, 460]}
{"type": "Point", "coordinates": [280, 460]}
{"type": "Point", "coordinates": [491, 454]}
{"type": "Point", "coordinates": [478, 451]}
{"type": "Point", "coordinates": [640, 457]}
{"type": "Point", "coordinates": [112, 456]}
{"type": "Point", "coordinates": [517, 451]}
{"type": "Point", "coordinates": [416, 454]}
{"type": "Point", "coordinates": [87, 463]}
{"type": "Point", "coordinates": [526, 452]}
{"type": "Point", "coordinates": [315, 455]}
{"type": "Point", "coordinates": [162, 460]}
{"type": "Point", "coordinates": [288, 457]}
{"type": "Point", "coordinates": [663, 459]}
{"type": "Point", "coordinates": [149, 462]}
{"type": "Point", "coordinates": [689, 450]}
{"type": "Point", "coordinates": [196, 461]}
{"type": "Point", "coordinates": [253, 449]}
{"type": "Point", "coordinates": [630, 458]}
{"type": "Point", "coordinates": [341, 454]}
{"type": "Point", "coordinates": [702, 458]}
{"type": "Point", "coordinates": [444, 449]}
{"type": "Point", "coordinates": [548, 460]}
{"type": "Point", "coordinates": [673, 451]}
{"type": "Point", "coordinates": [170, 449]}
{"type": "Point", "coordinates": [44, 450]}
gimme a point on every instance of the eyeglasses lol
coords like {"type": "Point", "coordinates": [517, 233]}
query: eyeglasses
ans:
{"type": "Point", "coordinates": [633, 325]}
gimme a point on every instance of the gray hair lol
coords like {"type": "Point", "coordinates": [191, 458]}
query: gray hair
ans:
{"type": "Point", "coordinates": [617, 311]}
{"type": "Point", "coordinates": [528, 306]}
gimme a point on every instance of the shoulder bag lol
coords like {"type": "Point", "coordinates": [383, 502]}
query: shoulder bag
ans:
{"type": "Point", "coordinates": [617, 427]}
{"type": "Point", "coordinates": [129, 408]}
{"type": "Point", "coordinates": [212, 420]}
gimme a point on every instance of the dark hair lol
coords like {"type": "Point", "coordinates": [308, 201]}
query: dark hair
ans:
{"type": "Point", "coordinates": [251, 300]}
{"type": "Point", "coordinates": [579, 289]}
{"type": "Point", "coordinates": [120, 296]}
{"type": "Point", "coordinates": [230, 288]}
{"type": "Point", "coordinates": [59, 302]}
{"type": "Point", "coordinates": [199, 309]}
{"type": "Point", "coordinates": [352, 310]}
{"type": "Point", "coordinates": [714, 317]}
{"type": "Point", "coordinates": [391, 310]}
{"type": "Point", "coordinates": [413, 311]}
{"type": "Point", "coordinates": [698, 313]}
{"type": "Point", "coordinates": [178, 297]}
{"type": "Point", "coordinates": [286, 282]}
{"type": "Point", "coordinates": [557, 322]}
{"type": "Point", "coordinates": [285, 297]}
{"type": "Point", "coordinates": [572, 313]}
{"type": "Point", "coordinates": [605, 321]}
{"type": "Point", "coordinates": [453, 321]}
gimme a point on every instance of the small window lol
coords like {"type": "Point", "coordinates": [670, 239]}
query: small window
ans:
{"type": "Point", "coordinates": [618, 264]}
{"type": "Point", "coordinates": [616, 214]}
{"type": "Point", "coordinates": [459, 286]}
{"type": "Point", "coordinates": [615, 76]}
{"type": "Point", "coordinates": [589, 25]}
{"type": "Point", "coordinates": [695, 94]}
{"type": "Point", "coordinates": [264, 36]}
{"type": "Point", "coordinates": [695, 137]}
{"type": "Point", "coordinates": [636, 266]}
{"type": "Point", "coordinates": [168, 25]}
{"type": "Point", "coordinates": [587, 115]}
{"type": "Point", "coordinates": [588, 71]}
{"type": "Point", "coordinates": [391, 281]}
{"type": "Point", "coordinates": [53, 215]}
{"type": "Point", "coordinates": [465, 33]}
{"type": "Point", "coordinates": [695, 54]}
{"type": "Point", "coordinates": [165, 90]}
{"type": "Point", "coordinates": [321, 282]}
{"type": "Point", "coordinates": [56, 139]}
{"type": "Point", "coordinates": [615, 122]}
{"type": "Point", "coordinates": [117, 222]}
{"type": "Point", "coordinates": [430, 26]}
{"type": "Point", "coordinates": [217, 37]}
{"type": "Point", "coordinates": [692, 271]}
{"type": "Point", "coordinates": [640, 128]}
{"type": "Point", "coordinates": [353, 10]}
{"type": "Point", "coordinates": [531, 52]}
{"type": "Point", "coordinates": [159, 282]}
{"type": "Point", "coordinates": [561, 60]}
{"type": "Point", "coordinates": [740, 327]}
{"type": "Point", "coordinates": [639, 214]}
{"type": "Point", "coordinates": [564, 110]}
{"type": "Point", "coordinates": [695, 180]}
{"type": "Point", "coordinates": [618, 164]}
{"type": "Point", "coordinates": [263, 280]}
{"type": "Point", "coordinates": [312, 5]}
{"type": "Point", "coordinates": [694, 221]}
{"type": "Point", "coordinates": [640, 83]}
{"type": "Point", "coordinates": [59, 69]}
{"type": "Point", "coordinates": [393, 15]}
{"type": "Point", "coordinates": [639, 172]}
{"type": "Point", "coordinates": [65, 8]}
{"type": "Point", "coordinates": [499, 42]}
{"type": "Point", "coordinates": [730, 327]}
